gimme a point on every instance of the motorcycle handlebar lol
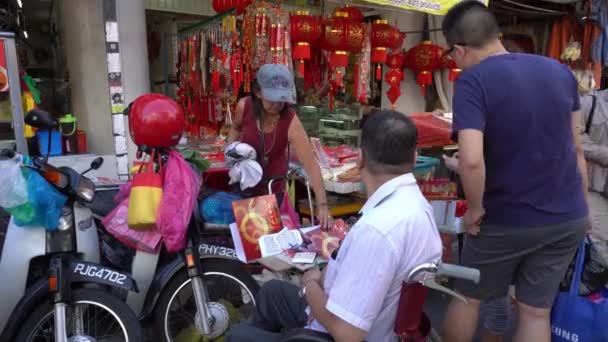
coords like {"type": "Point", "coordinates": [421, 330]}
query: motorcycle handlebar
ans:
{"type": "Point", "coordinates": [455, 271]}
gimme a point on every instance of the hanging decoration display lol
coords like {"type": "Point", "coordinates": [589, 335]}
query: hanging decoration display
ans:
{"type": "Point", "coordinates": [424, 59]}
{"type": "Point", "coordinates": [305, 31]}
{"type": "Point", "coordinates": [362, 70]}
{"type": "Point", "coordinates": [383, 38]}
{"type": "Point", "coordinates": [395, 62]}
{"type": "Point", "coordinates": [266, 39]}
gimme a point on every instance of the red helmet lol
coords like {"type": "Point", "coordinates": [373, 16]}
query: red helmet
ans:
{"type": "Point", "coordinates": [155, 121]}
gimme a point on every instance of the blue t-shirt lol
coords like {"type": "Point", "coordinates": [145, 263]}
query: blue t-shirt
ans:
{"type": "Point", "coordinates": [523, 104]}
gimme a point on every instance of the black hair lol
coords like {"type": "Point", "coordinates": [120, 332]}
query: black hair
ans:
{"type": "Point", "coordinates": [256, 102]}
{"type": "Point", "coordinates": [388, 142]}
{"type": "Point", "coordinates": [470, 23]}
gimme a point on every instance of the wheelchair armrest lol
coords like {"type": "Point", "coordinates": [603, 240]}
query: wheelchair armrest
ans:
{"type": "Point", "coordinates": [305, 335]}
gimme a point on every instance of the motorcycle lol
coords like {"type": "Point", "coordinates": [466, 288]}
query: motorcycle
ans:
{"type": "Point", "coordinates": [54, 288]}
{"type": "Point", "coordinates": [201, 291]}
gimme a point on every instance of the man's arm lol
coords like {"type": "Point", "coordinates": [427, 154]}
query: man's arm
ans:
{"type": "Point", "coordinates": [580, 152]}
{"type": "Point", "coordinates": [337, 328]}
{"type": "Point", "coordinates": [595, 152]}
{"type": "Point", "coordinates": [472, 167]}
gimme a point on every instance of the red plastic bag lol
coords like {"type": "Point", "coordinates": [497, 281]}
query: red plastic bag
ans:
{"type": "Point", "coordinates": [181, 186]}
{"type": "Point", "coordinates": [289, 216]}
{"type": "Point", "coordinates": [116, 224]}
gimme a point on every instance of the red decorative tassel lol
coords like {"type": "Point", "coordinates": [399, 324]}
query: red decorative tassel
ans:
{"type": "Point", "coordinates": [301, 68]}
{"type": "Point", "coordinates": [424, 78]}
{"type": "Point", "coordinates": [454, 73]}
{"type": "Point", "coordinates": [339, 82]}
{"type": "Point", "coordinates": [356, 81]}
{"type": "Point", "coordinates": [378, 72]}
{"type": "Point", "coordinates": [215, 80]}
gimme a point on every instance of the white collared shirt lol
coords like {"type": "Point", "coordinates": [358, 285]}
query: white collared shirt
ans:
{"type": "Point", "coordinates": [396, 233]}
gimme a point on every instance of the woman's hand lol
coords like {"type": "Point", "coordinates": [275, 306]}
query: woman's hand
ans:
{"type": "Point", "coordinates": [326, 221]}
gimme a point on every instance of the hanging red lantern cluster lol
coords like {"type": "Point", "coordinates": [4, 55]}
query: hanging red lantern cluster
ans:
{"type": "Point", "coordinates": [424, 59]}
{"type": "Point", "coordinates": [305, 30]}
{"type": "Point", "coordinates": [221, 6]}
{"type": "Point", "coordinates": [383, 38]}
{"type": "Point", "coordinates": [342, 34]}
{"type": "Point", "coordinates": [395, 61]}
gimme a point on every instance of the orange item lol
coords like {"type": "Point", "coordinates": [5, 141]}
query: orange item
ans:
{"type": "Point", "coordinates": [144, 201]}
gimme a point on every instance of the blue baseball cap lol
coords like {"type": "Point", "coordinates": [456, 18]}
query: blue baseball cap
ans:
{"type": "Point", "coordinates": [276, 83]}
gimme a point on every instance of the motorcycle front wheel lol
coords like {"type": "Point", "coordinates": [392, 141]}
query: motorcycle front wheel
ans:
{"type": "Point", "coordinates": [231, 292]}
{"type": "Point", "coordinates": [93, 315]}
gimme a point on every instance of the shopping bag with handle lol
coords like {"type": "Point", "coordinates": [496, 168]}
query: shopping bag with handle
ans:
{"type": "Point", "coordinates": [577, 318]}
{"type": "Point", "coordinates": [146, 194]}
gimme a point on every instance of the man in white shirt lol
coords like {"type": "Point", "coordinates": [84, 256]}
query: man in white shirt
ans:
{"type": "Point", "coordinates": [356, 297]}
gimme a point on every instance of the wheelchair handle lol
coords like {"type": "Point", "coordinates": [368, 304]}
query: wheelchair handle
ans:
{"type": "Point", "coordinates": [461, 272]}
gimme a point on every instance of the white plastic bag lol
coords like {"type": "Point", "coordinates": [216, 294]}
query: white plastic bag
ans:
{"type": "Point", "coordinates": [13, 186]}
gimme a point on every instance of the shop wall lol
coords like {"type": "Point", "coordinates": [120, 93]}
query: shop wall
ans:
{"type": "Point", "coordinates": [84, 41]}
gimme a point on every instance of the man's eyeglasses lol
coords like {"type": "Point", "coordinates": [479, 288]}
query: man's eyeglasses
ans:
{"type": "Point", "coordinates": [448, 52]}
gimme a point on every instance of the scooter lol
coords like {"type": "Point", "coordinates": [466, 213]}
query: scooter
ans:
{"type": "Point", "coordinates": [201, 291]}
{"type": "Point", "coordinates": [53, 286]}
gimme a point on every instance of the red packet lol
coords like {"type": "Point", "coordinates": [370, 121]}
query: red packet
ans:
{"type": "Point", "coordinates": [256, 217]}
{"type": "Point", "coordinates": [326, 242]}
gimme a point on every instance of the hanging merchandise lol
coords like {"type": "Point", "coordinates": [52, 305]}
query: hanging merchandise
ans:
{"type": "Point", "coordinates": [362, 69]}
{"type": "Point", "coordinates": [424, 59]}
{"type": "Point", "coordinates": [383, 38]}
{"type": "Point", "coordinates": [305, 30]}
{"type": "Point", "coordinates": [394, 76]}
{"type": "Point", "coordinates": [266, 39]}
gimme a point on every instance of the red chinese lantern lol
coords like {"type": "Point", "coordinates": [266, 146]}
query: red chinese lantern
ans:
{"type": "Point", "coordinates": [394, 76]}
{"type": "Point", "coordinates": [383, 37]}
{"type": "Point", "coordinates": [353, 14]}
{"type": "Point", "coordinates": [305, 29]}
{"type": "Point", "coordinates": [450, 64]}
{"type": "Point", "coordinates": [424, 59]}
{"type": "Point", "coordinates": [221, 6]}
{"type": "Point", "coordinates": [340, 36]}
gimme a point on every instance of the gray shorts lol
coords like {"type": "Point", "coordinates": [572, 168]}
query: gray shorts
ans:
{"type": "Point", "coordinates": [534, 259]}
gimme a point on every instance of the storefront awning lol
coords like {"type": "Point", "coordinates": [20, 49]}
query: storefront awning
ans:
{"type": "Point", "coordinates": [436, 7]}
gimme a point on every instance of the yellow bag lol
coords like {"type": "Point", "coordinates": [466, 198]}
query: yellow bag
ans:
{"type": "Point", "coordinates": [144, 201]}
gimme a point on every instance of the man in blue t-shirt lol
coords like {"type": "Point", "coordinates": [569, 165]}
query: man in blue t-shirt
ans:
{"type": "Point", "coordinates": [522, 170]}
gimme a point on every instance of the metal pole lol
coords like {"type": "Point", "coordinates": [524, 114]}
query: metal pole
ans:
{"type": "Point", "coordinates": [12, 68]}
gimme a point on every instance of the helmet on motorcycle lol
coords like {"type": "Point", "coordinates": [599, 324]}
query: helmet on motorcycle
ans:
{"type": "Point", "coordinates": [155, 121]}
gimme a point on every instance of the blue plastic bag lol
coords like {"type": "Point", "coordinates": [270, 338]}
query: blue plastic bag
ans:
{"type": "Point", "coordinates": [46, 201]}
{"type": "Point", "coordinates": [576, 318]}
{"type": "Point", "coordinates": [217, 208]}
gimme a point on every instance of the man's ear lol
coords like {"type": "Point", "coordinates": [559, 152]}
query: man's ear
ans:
{"type": "Point", "coordinates": [415, 156]}
{"type": "Point", "coordinates": [361, 163]}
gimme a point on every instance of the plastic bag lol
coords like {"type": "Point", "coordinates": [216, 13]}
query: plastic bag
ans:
{"type": "Point", "coordinates": [47, 203]}
{"type": "Point", "coordinates": [217, 208]}
{"type": "Point", "coordinates": [12, 184]}
{"type": "Point", "coordinates": [289, 216]}
{"type": "Point", "coordinates": [115, 223]}
{"type": "Point", "coordinates": [181, 186]}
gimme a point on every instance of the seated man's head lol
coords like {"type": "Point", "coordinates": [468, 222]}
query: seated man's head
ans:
{"type": "Point", "coordinates": [388, 145]}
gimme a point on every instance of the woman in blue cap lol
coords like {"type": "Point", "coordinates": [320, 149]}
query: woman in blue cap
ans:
{"type": "Point", "coordinates": [268, 123]}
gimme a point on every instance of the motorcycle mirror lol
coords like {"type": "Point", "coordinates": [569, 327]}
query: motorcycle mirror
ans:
{"type": "Point", "coordinates": [95, 165]}
{"type": "Point", "coordinates": [40, 119]}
